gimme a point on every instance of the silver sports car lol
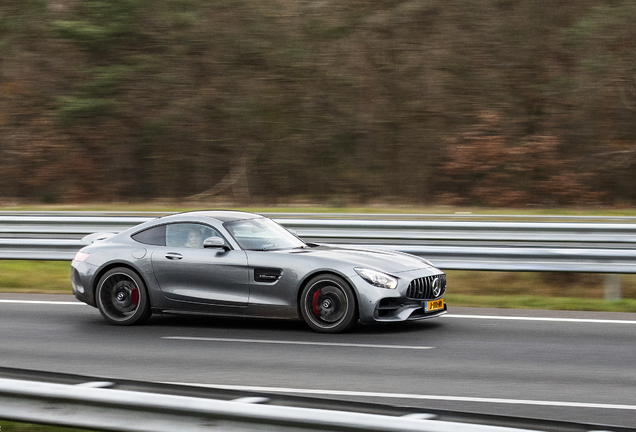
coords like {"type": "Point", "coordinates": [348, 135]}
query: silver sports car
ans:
{"type": "Point", "coordinates": [235, 263]}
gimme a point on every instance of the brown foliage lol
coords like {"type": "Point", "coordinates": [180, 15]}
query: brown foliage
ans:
{"type": "Point", "coordinates": [486, 168]}
{"type": "Point", "coordinates": [496, 103]}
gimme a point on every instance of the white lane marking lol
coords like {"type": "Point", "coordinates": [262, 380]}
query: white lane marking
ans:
{"type": "Point", "coordinates": [43, 302]}
{"type": "Point", "coordinates": [492, 317]}
{"type": "Point", "coordinates": [283, 342]}
{"type": "Point", "coordinates": [412, 396]}
{"type": "Point", "coordinates": [518, 318]}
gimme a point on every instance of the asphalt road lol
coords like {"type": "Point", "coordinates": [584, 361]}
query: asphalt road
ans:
{"type": "Point", "coordinates": [573, 366]}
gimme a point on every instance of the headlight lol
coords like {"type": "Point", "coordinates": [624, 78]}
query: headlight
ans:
{"type": "Point", "coordinates": [377, 278]}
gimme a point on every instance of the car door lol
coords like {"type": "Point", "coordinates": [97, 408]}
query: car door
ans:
{"type": "Point", "coordinates": [185, 271]}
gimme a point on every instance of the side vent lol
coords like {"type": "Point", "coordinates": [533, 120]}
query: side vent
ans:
{"type": "Point", "coordinates": [267, 274]}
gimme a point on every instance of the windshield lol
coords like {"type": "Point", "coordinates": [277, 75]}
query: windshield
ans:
{"type": "Point", "coordinates": [262, 234]}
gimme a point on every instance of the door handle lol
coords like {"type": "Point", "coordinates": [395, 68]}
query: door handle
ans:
{"type": "Point", "coordinates": [174, 256]}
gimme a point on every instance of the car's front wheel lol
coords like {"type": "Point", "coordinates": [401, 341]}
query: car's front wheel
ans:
{"type": "Point", "coordinates": [122, 297]}
{"type": "Point", "coordinates": [328, 304]}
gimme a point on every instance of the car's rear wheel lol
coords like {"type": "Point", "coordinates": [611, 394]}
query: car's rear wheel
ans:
{"type": "Point", "coordinates": [122, 297]}
{"type": "Point", "coordinates": [328, 304]}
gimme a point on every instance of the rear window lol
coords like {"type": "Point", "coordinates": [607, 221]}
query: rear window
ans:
{"type": "Point", "coordinates": [152, 236]}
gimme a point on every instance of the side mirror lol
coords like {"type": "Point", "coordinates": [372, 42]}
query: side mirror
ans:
{"type": "Point", "coordinates": [214, 242]}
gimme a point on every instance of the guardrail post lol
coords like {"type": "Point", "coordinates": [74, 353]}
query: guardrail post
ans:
{"type": "Point", "coordinates": [612, 287]}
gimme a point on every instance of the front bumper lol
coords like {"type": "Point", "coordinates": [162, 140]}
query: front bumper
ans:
{"type": "Point", "coordinates": [387, 311]}
{"type": "Point", "coordinates": [391, 305]}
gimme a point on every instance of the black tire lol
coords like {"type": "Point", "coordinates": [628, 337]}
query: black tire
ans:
{"type": "Point", "coordinates": [328, 304]}
{"type": "Point", "coordinates": [122, 298]}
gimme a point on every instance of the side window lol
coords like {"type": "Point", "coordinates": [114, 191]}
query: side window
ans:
{"type": "Point", "coordinates": [152, 236]}
{"type": "Point", "coordinates": [190, 235]}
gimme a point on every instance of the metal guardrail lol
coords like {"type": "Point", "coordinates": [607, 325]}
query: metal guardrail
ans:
{"type": "Point", "coordinates": [104, 403]}
{"type": "Point", "coordinates": [88, 405]}
{"type": "Point", "coordinates": [317, 404]}
{"type": "Point", "coordinates": [451, 242]}
{"type": "Point", "coordinates": [477, 245]}
{"type": "Point", "coordinates": [56, 237]}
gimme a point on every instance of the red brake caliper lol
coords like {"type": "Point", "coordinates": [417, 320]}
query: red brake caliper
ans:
{"type": "Point", "coordinates": [315, 303]}
{"type": "Point", "coordinates": [134, 296]}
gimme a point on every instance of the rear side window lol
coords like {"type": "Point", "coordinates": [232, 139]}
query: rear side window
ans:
{"type": "Point", "coordinates": [152, 236]}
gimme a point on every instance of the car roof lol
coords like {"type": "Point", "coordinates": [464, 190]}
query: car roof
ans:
{"type": "Point", "coordinates": [221, 215]}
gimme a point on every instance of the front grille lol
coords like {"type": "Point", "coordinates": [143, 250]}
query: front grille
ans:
{"type": "Point", "coordinates": [422, 288]}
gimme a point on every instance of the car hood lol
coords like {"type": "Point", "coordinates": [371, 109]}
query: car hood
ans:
{"type": "Point", "coordinates": [384, 260]}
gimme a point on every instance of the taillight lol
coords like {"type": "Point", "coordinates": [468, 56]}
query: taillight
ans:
{"type": "Point", "coordinates": [81, 256]}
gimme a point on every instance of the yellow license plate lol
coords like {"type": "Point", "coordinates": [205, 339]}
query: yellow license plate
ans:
{"type": "Point", "coordinates": [434, 305]}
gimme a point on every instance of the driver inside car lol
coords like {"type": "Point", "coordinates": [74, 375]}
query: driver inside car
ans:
{"type": "Point", "coordinates": [194, 240]}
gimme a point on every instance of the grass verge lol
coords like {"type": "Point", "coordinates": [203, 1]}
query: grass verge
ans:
{"type": "Point", "coordinates": [301, 205]}
{"type": "Point", "coordinates": [39, 277]}
{"type": "Point", "coordinates": [7, 426]}
{"type": "Point", "coordinates": [556, 291]}
{"type": "Point", "coordinates": [534, 302]}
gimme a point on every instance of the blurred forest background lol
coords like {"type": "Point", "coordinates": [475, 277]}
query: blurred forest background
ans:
{"type": "Point", "coordinates": [463, 102]}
